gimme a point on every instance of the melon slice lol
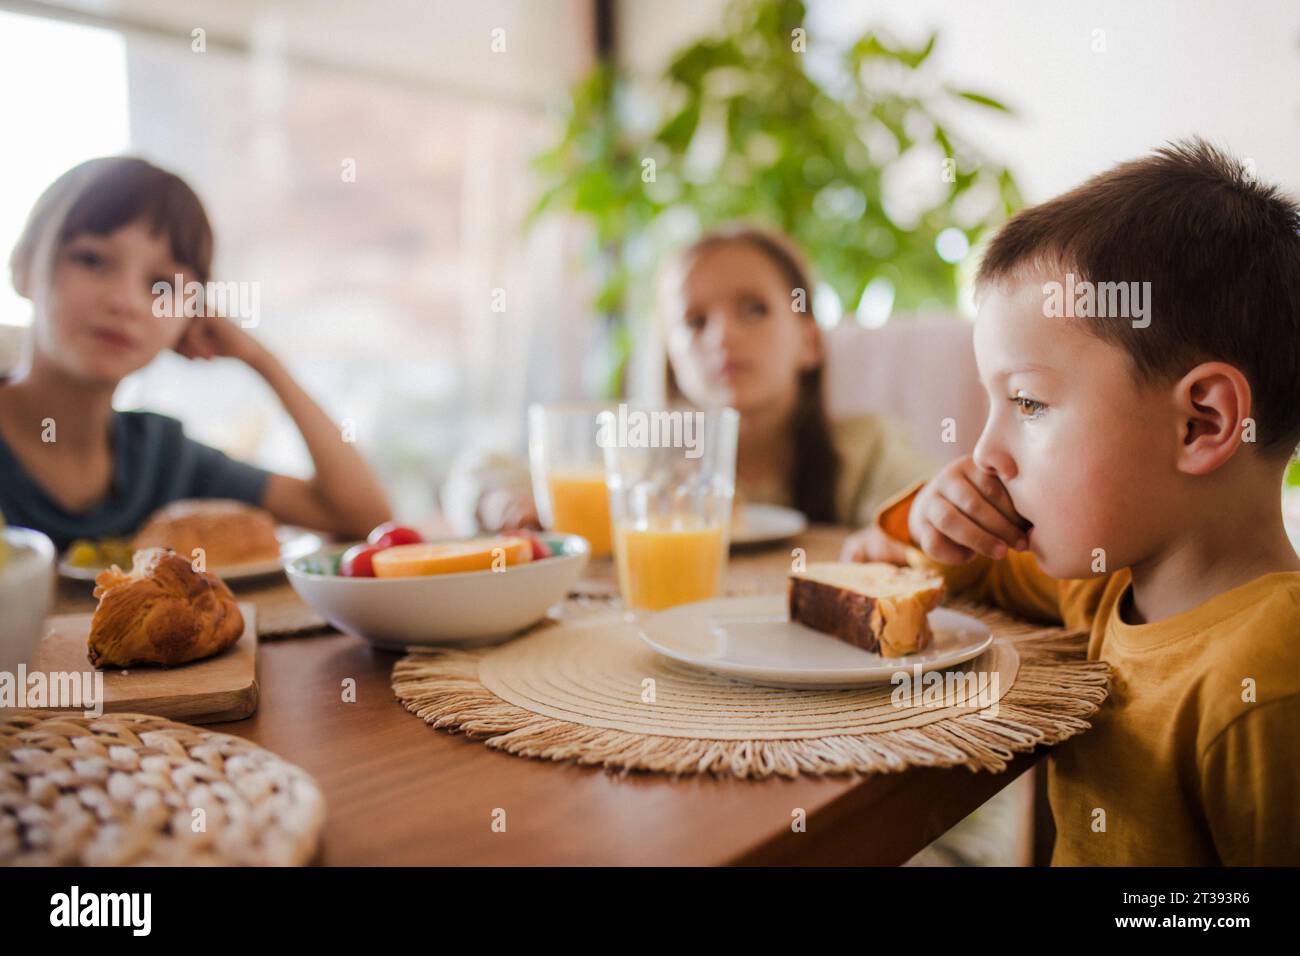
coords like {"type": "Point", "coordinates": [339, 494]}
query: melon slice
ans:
{"type": "Point", "coordinates": [451, 557]}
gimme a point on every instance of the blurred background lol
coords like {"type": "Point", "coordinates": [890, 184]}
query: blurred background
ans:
{"type": "Point", "coordinates": [453, 209]}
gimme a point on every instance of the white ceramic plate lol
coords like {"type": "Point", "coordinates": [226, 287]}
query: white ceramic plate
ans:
{"type": "Point", "coordinates": [472, 607]}
{"type": "Point", "coordinates": [294, 543]}
{"type": "Point", "coordinates": [766, 524]}
{"type": "Point", "coordinates": [751, 638]}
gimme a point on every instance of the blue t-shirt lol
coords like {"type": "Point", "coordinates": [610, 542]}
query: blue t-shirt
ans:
{"type": "Point", "coordinates": [154, 463]}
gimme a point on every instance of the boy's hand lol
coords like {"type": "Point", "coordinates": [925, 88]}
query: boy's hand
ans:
{"type": "Point", "coordinates": [964, 511]}
{"type": "Point", "coordinates": [872, 544]}
{"type": "Point", "coordinates": [212, 336]}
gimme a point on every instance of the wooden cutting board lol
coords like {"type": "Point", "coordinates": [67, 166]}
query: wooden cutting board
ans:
{"type": "Point", "coordinates": [209, 691]}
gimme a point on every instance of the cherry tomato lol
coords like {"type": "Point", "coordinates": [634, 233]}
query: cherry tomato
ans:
{"type": "Point", "coordinates": [356, 562]}
{"type": "Point", "coordinates": [540, 548]}
{"type": "Point", "coordinates": [390, 533]}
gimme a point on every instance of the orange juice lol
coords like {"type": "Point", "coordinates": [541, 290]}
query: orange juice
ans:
{"type": "Point", "coordinates": [667, 564]}
{"type": "Point", "coordinates": [580, 505]}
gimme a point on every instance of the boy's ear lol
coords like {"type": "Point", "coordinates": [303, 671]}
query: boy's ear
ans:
{"type": "Point", "coordinates": [1212, 402]}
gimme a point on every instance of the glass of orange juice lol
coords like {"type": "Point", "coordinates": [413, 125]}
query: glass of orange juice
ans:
{"type": "Point", "coordinates": [671, 475]}
{"type": "Point", "coordinates": [568, 472]}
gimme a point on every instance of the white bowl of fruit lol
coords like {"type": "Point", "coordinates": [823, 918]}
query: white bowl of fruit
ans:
{"type": "Point", "coordinates": [396, 590]}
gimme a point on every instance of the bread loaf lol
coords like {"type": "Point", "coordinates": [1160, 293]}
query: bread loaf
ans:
{"type": "Point", "coordinates": [229, 532]}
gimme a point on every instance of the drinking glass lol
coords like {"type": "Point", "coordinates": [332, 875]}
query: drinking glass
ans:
{"type": "Point", "coordinates": [671, 475]}
{"type": "Point", "coordinates": [568, 472]}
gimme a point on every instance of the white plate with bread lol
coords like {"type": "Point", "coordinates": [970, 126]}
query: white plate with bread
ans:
{"type": "Point", "coordinates": [238, 541]}
{"type": "Point", "coordinates": [839, 625]}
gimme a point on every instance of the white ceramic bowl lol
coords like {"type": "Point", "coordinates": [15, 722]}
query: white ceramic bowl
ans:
{"type": "Point", "coordinates": [473, 607]}
{"type": "Point", "coordinates": [26, 590]}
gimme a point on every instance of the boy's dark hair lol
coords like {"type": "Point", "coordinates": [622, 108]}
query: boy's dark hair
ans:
{"type": "Point", "coordinates": [1220, 249]}
{"type": "Point", "coordinates": [101, 195]}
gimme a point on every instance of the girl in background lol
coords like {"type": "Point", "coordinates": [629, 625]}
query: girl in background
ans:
{"type": "Point", "coordinates": [735, 310]}
{"type": "Point", "coordinates": [96, 243]}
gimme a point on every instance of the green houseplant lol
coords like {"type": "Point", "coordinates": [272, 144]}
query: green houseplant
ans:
{"type": "Point", "coordinates": [848, 150]}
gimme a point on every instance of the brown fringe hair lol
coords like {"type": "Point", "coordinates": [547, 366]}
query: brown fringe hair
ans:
{"type": "Point", "coordinates": [815, 468]}
{"type": "Point", "coordinates": [100, 196]}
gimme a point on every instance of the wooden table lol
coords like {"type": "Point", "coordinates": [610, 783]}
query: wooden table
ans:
{"type": "Point", "coordinates": [401, 793]}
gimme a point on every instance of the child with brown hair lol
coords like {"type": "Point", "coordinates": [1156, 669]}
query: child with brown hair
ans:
{"type": "Point", "coordinates": [98, 244]}
{"type": "Point", "coordinates": [735, 307]}
{"type": "Point", "coordinates": [1139, 338]}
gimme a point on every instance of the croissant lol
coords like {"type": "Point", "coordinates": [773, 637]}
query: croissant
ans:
{"type": "Point", "coordinates": [161, 612]}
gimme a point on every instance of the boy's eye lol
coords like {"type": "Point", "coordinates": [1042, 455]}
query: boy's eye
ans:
{"type": "Point", "coordinates": [1030, 408]}
{"type": "Point", "coordinates": [85, 257]}
{"type": "Point", "coordinates": [753, 309]}
{"type": "Point", "coordinates": [695, 322]}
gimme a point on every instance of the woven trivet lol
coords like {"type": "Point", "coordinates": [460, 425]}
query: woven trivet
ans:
{"type": "Point", "coordinates": [574, 691]}
{"type": "Point", "coordinates": [123, 789]}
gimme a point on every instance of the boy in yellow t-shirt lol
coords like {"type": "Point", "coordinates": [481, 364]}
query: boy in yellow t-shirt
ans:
{"type": "Point", "coordinates": [1127, 483]}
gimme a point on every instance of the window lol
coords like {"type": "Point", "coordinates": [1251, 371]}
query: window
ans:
{"type": "Point", "coordinates": [90, 102]}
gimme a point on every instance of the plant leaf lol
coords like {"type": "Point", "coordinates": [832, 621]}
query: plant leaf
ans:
{"type": "Point", "coordinates": [982, 100]}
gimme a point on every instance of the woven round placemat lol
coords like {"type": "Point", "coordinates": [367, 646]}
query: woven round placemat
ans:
{"type": "Point", "coordinates": [578, 690]}
{"type": "Point", "coordinates": [123, 789]}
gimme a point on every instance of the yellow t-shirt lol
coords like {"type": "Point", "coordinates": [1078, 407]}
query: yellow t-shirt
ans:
{"type": "Point", "coordinates": [1194, 758]}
